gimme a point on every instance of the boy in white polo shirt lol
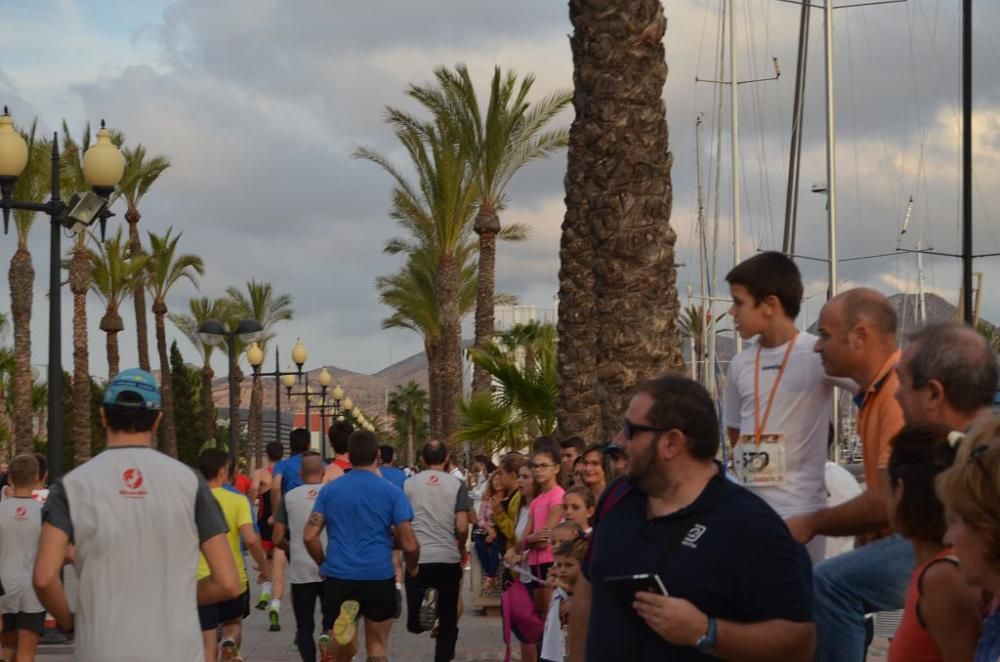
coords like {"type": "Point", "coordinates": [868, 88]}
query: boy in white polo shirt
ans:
{"type": "Point", "coordinates": [778, 398]}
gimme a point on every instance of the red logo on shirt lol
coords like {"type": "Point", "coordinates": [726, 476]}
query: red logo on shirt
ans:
{"type": "Point", "coordinates": [21, 512]}
{"type": "Point", "coordinates": [433, 480]}
{"type": "Point", "coordinates": [132, 478]}
{"type": "Point", "coordinates": [312, 493]}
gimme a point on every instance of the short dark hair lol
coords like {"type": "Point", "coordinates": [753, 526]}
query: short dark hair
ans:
{"type": "Point", "coordinates": [512, 462]}
{"type": "Point", "coordinates": [312, 464]}
{"type": "Point", "coordinates": [362, 448]}
{"type": "Point", "coordinates": [684, 404]}
{"type": "Point", "coordinates": [24, 470]}
{"type": "Point", "coordinates": [871, 305]}
{"type": "Point", "coordinates": [572, 442]}
{"type": "Point", "coordinates": [275, 450]}
{"type": "Point", "coordinates": [770, 274]}
{"type": "Point", "coordinates": [605, 462]}
{"type": "Point", "coordinates": [545, 441]}
{"type": "Point", "coordinates": [919, 454]}
{"type": "Point", "coordinates": [387, 453]}
{"type": "Point", "coordinates": [339, 434]}
{"type": "Point", "coordinates": [299, 441]}
{"type": "Point", "coordinates": [960, 359]}
{"type": "Point", "coordinates": [212, 461]}
{"type": "Point", "coordinates": [434, 452]}
{"type": "Point", "coordinates": [126, 416]}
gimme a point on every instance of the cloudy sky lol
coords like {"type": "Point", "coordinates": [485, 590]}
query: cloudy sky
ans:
{"type": "Point", "coordinates": [259, 103]}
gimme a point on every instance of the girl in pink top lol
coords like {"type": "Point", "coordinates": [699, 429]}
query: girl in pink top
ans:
{"type": "Point", "coordinates": [546, 511]}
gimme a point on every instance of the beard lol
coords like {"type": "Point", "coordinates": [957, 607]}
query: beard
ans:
{"type": "Point", "coordinates": [644, 471]}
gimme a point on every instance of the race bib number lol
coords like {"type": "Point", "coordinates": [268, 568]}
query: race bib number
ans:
{"type": "Point", "coordinates": [759, 465]}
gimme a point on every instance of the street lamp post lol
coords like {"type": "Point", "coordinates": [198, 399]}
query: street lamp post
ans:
{"type": "Point", "coordinates": [214, 331]}
{"type": "Point", "coordinates": [103, 167]}
{"type": "Point", "coordinates": [299, 356]}
{"type": "Point", "coordinates": [324, 380]}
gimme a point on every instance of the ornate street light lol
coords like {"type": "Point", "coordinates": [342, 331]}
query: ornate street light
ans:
{"type": "Point", "coordinates": [286, 377]}
{"type": "Point", "coordinates": [103, 167]}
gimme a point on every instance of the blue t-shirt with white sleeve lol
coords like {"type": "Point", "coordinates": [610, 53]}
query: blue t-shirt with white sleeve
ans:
{"type": "Point", "coordinates": [358, 509]}
{"type": "Point", "coordinates": [393, 475]}
{"type": "Point", "coordinates": [290, 470]}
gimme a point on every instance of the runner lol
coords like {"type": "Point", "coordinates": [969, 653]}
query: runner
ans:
{"type": "Point", "coordinates": [361, 513]}
{"type": "Point", "coordinates": [260, 493]}
{"type": "Point", "coordinates": [441, 506]}
{"type": "Point", "coordinates": [286, 475]}
{"type": "Point", "coordinates": [397, 477]}
{"type": "Point", "coordinates": [339, 434]}
{"type": "Point", "coordinates": [216, 466]}
{"type": "Point", "coordinates": [137, 519]}
{"type": "Point", "coordinates": [20, 524]}
{"type": "Point", "coordinates": [303, 573]}
{"type": "Point", "coordinates": [778, 398]}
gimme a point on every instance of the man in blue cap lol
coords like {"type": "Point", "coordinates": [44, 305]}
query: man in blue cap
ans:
{"type": "Point", "coordinates": [138, 520]}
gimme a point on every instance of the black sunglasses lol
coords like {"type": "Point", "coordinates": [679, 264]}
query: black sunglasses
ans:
{"type": "Point", "coordinates": [630, 428]}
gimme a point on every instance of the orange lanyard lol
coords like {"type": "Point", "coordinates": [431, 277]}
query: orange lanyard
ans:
{"type": "Point", "coordinates": [758, 424]}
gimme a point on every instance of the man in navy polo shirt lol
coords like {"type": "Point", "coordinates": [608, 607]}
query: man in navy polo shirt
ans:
{"type": "Point", "coordinates": [738, 585]}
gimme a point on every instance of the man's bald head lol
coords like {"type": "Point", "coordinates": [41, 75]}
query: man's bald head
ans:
{"type": "Point", "coordinates": [312, 466]}
{"type": "Point", "coordinates": [863, 304]}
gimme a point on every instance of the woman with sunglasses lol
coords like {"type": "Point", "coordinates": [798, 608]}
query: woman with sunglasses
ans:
{"type": "Point", "coordinates": [545, 511]}
{"type": "Point", "coordinates": [940, 617]}
{"type": "Point", "coordinates": [596, 469]}
{"type": "Point", "coordinates": [970, 491]}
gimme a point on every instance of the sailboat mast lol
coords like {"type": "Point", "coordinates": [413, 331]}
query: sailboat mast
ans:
{"type": "Point", "coordinates": [735, 136]}
{"type": "Point", "coordinates": [795, 155]}
{"type": "Point", "coordinates": [704, 304]}
{"type": "Point", "coordinates": [831, 155]}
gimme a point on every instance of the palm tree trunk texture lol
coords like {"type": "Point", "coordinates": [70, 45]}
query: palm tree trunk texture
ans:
{"type": "Point", "coordinates": [139, 293]}
{"type": "Point", "coordinates": [255, 449]}
{"type": "Point", "coordinates": [450, 374]}
{"type": "Point", "coordinates": [487, 225]}
{"type": "Point", "coordinates": [236, 382]}
{"type": "Point", "coordinates": [169, 428]}
{"type": "Point", "coordinates": [111, 325]}
{"type": "Point", "coordinates": [620, 72]}
{"type": "Point", "coordinates": [410, 424]}
{"type": "Point", "coordinates": [577, 413]}
{"type": "Point", "coordinates": [79, 284]}
{"type": "Point", "coordinates": [22, 281]}
{"type": "Point", "coordinates": [207, 402]}
{"type": "Point", "coordinates": [432, 351]}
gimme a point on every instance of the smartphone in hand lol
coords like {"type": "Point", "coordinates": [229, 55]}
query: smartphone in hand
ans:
{"type": "Point", "coordinates": [623, 588]}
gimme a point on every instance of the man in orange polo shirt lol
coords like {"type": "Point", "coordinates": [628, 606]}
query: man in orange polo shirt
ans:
{"type": "Point", "coordinates": [857, 339]}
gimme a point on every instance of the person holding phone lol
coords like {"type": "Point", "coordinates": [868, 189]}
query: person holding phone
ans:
{"type": "Point", "coordinates": [735, 584]}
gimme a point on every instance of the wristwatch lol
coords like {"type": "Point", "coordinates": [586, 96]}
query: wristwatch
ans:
{"type": "Point", "coordinates": [707, 642]}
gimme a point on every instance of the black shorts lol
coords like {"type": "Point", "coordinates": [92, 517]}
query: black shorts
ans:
{"type": "Point", "coordinates": [377, 598]}
{"type": "Point", "coordinates": [22, 620]}
{"type": "Point", "coordinates": [211, 616]}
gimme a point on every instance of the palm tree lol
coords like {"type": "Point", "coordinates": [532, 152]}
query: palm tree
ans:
{"type": "Point", "coordinates": [201, 310]}
{"type": "Point", "coordinates": [114, 275]}
{"type": "Point", "coordinates": [509, 136]}
{"type": "Point", "coordinates": [72, 180]}
{"type": "Point", "coordinates": [141, 172]}
{"type": "Point", "coordinates": [31, 185]}
{"type": "Point", "coordinates": [438, 213]}
{"type": "Point", "coordinates": [408, 407]}
{"type": "Point", "coordinates": [164, 269]}
{"type": "Point", "coordinates": [523, 405]}
{"type": "Point", "coordinates": [618, 195]}
{"type": "Point", "coordinates": [260, 303]}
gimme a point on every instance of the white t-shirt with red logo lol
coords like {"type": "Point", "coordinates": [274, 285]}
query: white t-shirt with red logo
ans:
{"type": "Point", "coordinates": [293, 512]}
{"type": "Point", "coordinates": [20, 524]}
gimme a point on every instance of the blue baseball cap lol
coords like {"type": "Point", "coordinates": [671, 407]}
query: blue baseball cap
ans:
{"type": "Point", "coordinates": [138, 382]}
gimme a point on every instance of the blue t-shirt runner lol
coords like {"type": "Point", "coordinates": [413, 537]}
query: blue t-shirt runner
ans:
{"type": "Point", "coordinates": [359, 510]}
{"type": "Point", "coordinates": [394, 475]}
{"type": "Point", "coordinates": [290, 470]}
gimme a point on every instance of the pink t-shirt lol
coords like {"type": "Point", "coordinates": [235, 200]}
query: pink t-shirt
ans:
{"type": "Point", "coordinates": [539, 516]}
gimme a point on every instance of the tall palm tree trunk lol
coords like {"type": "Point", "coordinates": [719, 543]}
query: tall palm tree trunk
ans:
{"type": "Point", "coordinates": [620, 72]}
{"type": "Point", "coordinates": [139, 292]}
{"type": "Point", "coordinates": [450, 368]}
{"type": "Point", "coordinates": [111, 325]}
{"type": "Point", "coordinates": [577, 412]}
{"type": "Point", "coordinates": [207, 402]}
{"type": "Point", "coordinates": [22, 281]}
{"type": "Point", "coordinates": [169, 428]}
{"type": "Point", "coordinates": [410, 425]}
{"type": "Point", "coordinates": [79, 285]}
{"type": "Point", "coordinates": [486, 225]}
{"type": "Point", "coordinates": [255, 449]}
{"type": "Point", "coordinates": [431, 350]}
{"type": "Point", "coordinates": [236, 382]}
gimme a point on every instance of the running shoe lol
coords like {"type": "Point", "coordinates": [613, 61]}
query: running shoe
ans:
{"type": "Point", "coordinates": [230, 652]}
{"type": "Point", "coordinates": [265, 600]}
{"type": "Point", "coordinates": [345, 625]}
{"type": "Point", "coordinates": [428, 610]}
{"type": "Point", "coordinates": [272, 615]}
{"type": "Point", "coordinates": [325, 647]}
